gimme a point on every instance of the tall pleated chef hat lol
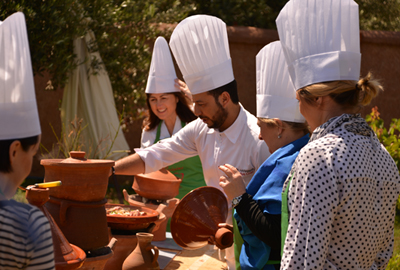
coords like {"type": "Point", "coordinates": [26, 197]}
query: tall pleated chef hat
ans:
{"type": "Point", "coordinates": [320, 39]}
{"type": "Point", "coordinates": [276, 96]}
{"type": "Point", "coordinates": [18, 110]}
{"type": "Point", "coordinates": [162, 71]}
{"type": "Point", "coordinates": [200, 46]}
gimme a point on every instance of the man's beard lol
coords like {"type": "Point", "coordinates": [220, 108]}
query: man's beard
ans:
{"type": "Point", "coordinates": [218, 118]}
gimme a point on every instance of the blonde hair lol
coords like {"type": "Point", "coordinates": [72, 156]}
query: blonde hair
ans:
{"type": "Point", "coordinates": [348, 94]}
{"type": "Point", "coordinates": [303, 127]}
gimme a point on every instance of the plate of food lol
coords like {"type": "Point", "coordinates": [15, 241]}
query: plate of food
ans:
{"type": "Point", "coordinates": [128, 217]}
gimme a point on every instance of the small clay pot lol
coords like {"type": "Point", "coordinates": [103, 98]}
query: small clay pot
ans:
{"type": "Point", "coordinates": [82, 179]}
{"type": "Point", "coordinates": [142, 257]}
{"type": "Point", "coordinates": [159, 185]}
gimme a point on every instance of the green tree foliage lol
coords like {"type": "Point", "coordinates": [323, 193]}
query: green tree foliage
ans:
{"type": "Point", "coordinates": [374, 15]}
{"type": "Point", "coordinates": [124, 32]}
{"type": "Point", "coordinates": [52, 25]}
{"type": "Point", "coordinates": [257, 13]}
{"type": "Point", "coordinates": [379, 15]}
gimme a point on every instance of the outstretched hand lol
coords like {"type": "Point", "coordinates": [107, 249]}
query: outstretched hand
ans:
{"type": "Point", "coordinates": [232, 183]}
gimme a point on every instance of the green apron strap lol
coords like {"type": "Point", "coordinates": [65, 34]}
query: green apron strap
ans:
{"type": "Point", "coordinates": [285, 215]}
{"type": "Point", "coordinates": [158, 132]}
{"type": "Point", "coordinates": [237, 241]}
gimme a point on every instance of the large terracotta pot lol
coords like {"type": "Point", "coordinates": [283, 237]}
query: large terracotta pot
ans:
{"type": "Point", "coordinates": [82, 179]}
{"type": "Point", "coordinates": [142, 257]}
{"type": "Point", "coordinates": [83, 223]}
{"type": "Point", "coordinates": [196, 219]}
{"type": "Point", "coordinates": [159, 185]}
{"type": "Point", "coordinates": [66, 255]}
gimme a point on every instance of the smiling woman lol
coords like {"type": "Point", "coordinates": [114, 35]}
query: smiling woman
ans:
{"type": "Point", "coordinates": [169, 112]}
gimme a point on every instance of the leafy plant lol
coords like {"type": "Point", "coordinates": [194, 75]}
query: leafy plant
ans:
{"type": "Point", "coordinates": [390, 138]}
{"type": "Point", "coordinates": [71, 139]}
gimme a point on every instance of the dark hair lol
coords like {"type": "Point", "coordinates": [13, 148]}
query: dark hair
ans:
{"type": "Point", "coordinates": [26, 143]}
{"type": "Point", "coordinates": [231, 88]}
{"type": "Point", "coordinates": [182, 110]}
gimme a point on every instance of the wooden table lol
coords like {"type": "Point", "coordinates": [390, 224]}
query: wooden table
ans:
{"type": "Point", "coordinates": [205, 258]}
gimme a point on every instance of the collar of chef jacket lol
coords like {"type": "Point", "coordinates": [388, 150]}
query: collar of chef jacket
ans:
{"type": "Point", "coordinates": [233, 132]}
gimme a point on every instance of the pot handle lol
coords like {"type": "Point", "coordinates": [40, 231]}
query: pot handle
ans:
{"type": "Point", "coordinates": [156, 252]}
{"type": "Point", "coordinates": [63, 211]}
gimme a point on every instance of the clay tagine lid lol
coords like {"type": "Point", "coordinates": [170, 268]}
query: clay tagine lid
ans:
{"type": "Point", "coordinates": [197, 216]}
{"type": "Point", "coordinates": [158, 185]}
{"type": "Point", "coordinates": [161, 175]}
{"type": "Point", "coordinates": [77, 158]}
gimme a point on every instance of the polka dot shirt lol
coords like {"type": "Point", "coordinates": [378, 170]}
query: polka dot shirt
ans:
{"type": "Point", "coordinates": [341, 200]}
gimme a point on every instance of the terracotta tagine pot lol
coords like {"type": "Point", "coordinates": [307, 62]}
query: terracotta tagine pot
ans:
{"type": "Point", "coordinates": [83, 223]}
{"type": "Point", "coordinates": [142, 257]}
{"type": "Point", "coordinates": [131, 223]}
{"type": "Point", "coordinates": [66, 255]}
{"type": "Point", "coordinates": [82, 179]}
{"type": "Point", "coordinates": [164, 208]}
{"type": "Point", "coordinates": [197, 216]}
{"type": "Point", "coordinates": [159, 185]}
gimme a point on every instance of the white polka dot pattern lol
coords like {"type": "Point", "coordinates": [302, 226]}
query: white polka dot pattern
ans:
{"type": "Point", "coordinates": [341, 202]}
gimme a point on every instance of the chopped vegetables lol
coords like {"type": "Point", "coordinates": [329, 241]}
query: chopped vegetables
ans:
{"type": "Point", "coordinates": [125, 211]}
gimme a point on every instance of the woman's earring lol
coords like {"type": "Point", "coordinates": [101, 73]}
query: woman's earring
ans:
{"type": "Point", "coordinates": [279, 136]}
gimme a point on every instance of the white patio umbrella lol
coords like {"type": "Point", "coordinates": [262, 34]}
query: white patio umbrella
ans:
{"type": "Point", "coordinates": [89, 97]}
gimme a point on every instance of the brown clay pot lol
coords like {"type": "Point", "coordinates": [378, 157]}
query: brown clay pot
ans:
{"type": "Point", "coordinates": [196, 219]}
{"type": "Point", "coordinates": [159, 185]}
{"type": "Point", "coordinates": [82, 179]}
{"type": "Point", "coordinates": [118, 222]}
{"type": "Point", "coordinates": [83, 223]}
{"type": "Point", "coordinates": [66, 255]}
{"type": "Point", "coordinates": [98, 262]}
{"type": "Point", "coordinates": [142, 257]}
{"type": "Point", "coordinates": [125, 245]}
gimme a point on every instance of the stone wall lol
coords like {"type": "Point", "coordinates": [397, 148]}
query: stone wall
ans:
{"type": "Point", "coordinates": [380, 55]}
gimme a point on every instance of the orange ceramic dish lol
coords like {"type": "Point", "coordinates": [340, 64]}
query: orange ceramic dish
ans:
{"type": "Point", "coordinates": [131, 223]}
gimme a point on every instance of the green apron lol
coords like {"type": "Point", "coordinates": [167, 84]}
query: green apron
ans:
{"type": "Point", "coordinates": [189, 170]}
{"type": "Point", "coordinates": [285, 215]}
{"type": "Point", "coordinates": [237, 241]}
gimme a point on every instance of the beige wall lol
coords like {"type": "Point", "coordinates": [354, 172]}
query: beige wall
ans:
{"type": "Point", "coordinates": [380, 54]}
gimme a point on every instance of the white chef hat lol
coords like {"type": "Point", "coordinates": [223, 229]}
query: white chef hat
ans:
{"type": "Point", "coordinates": [276, 96]}
{"type": "Point", "coordinates": [200, 46]}
{"type": "Point", "coordinates": [162, 71]}
{"type": "Point", "coordinates": [18, 110]}
{"type": "Point", "coordinates": [320, 39]}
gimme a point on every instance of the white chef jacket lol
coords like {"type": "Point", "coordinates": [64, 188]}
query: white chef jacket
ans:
{"type": "Point", "coordinates": [148, 136]}
{"type": "Point", "coordinates": [238, 145]}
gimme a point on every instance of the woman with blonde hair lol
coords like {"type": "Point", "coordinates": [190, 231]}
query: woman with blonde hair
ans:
{"type": "Point", "coordinates": [282, 127]}
{"type": "Point", "coordinates": [339, 201]}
